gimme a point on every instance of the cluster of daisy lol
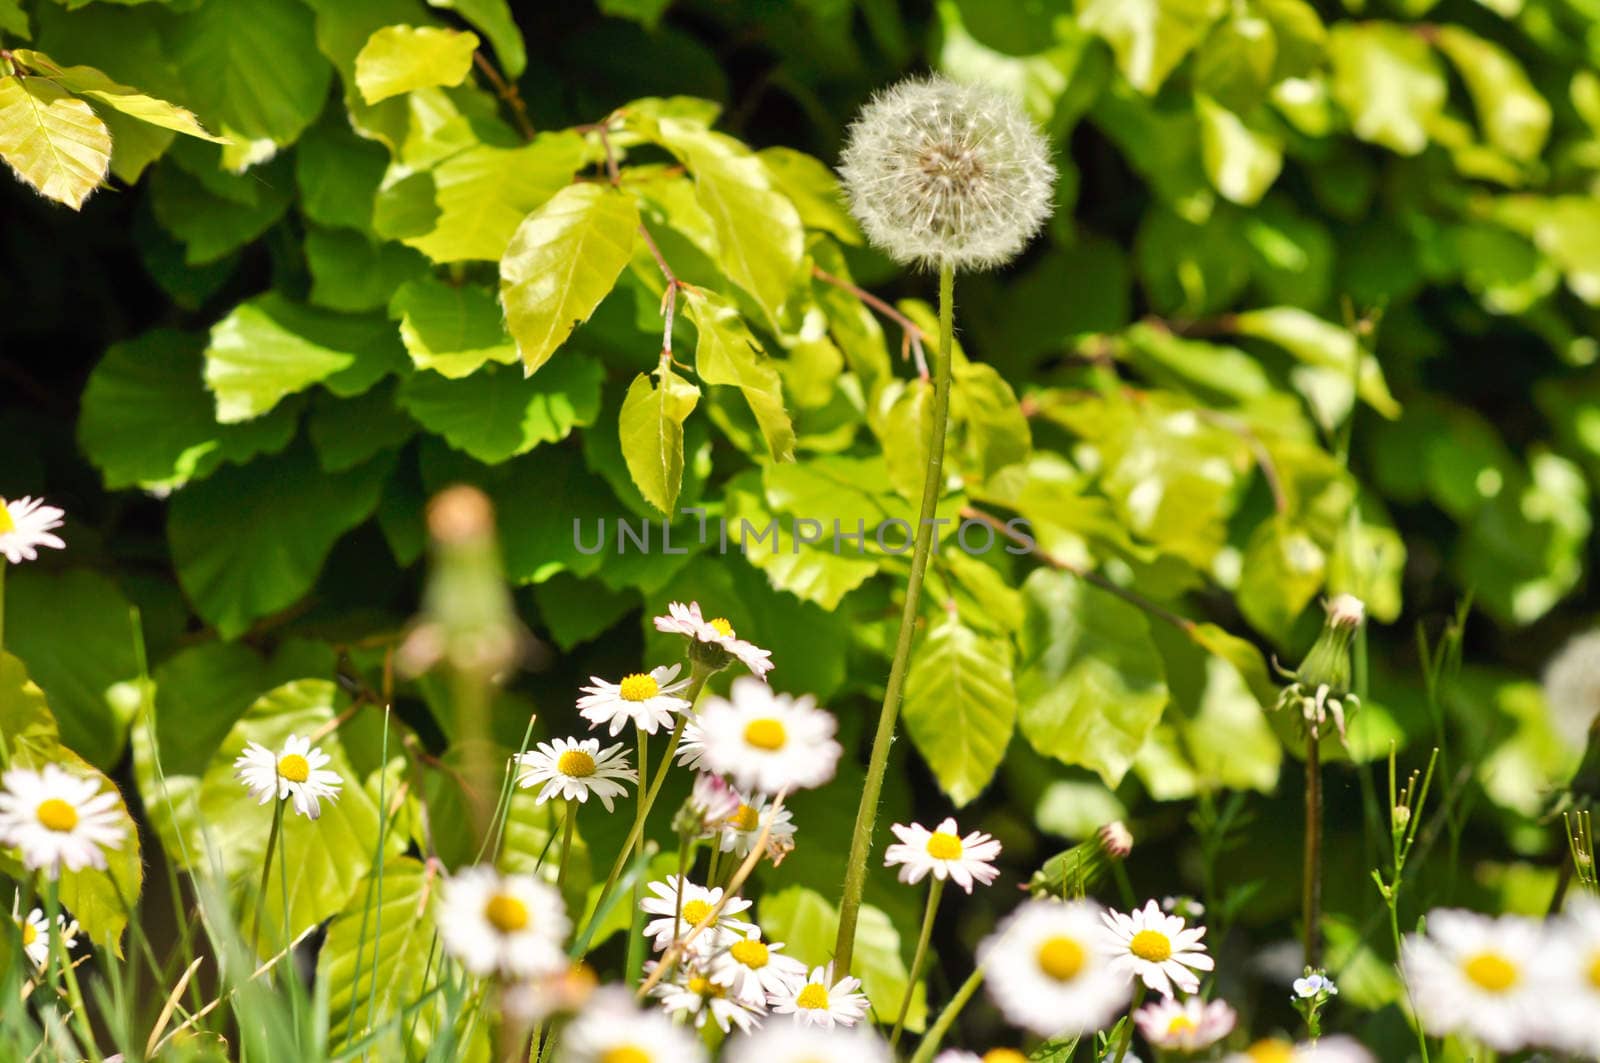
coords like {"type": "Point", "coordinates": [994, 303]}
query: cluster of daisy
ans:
{"type": "Point", "coordinates": [1507, 981]}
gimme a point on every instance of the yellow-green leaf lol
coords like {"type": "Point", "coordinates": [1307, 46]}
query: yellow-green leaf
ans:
{"type": "Point", "coordinates": [1241, 162]}
{"type": "Point", "coordinates": [651, 427]}
{"type": "Point", "coordinates": [87, 81]}
{"type": "Point", "coordinates": [960, 707]}
{"type": "Point", "coordinates": [399, 59]}
{"type": "Point", "coordinates": [1388, 82]}
{"type": "Point", "coordinates": [727, 353]}
{"type": "Point", "coordinates": [564, 259]}
{"type": "Point", "coordinates": [1149, 37]}
{"type": "Point", "coordinates": [54, 141]}
{"type": "Point", "coordinates": [1515, 118]}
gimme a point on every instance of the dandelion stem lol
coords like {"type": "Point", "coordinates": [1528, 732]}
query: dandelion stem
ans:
{"type": "Point", "coordinates": [1311, 907]}
{"type": "Point", "coordinates": [266, 872]}
{"type": "Point", "coordinates": [855, 874]}
{"type": "Point", "coordinates": [947, 1017]}
{"type": "Point", "coordinates": [935, 889]}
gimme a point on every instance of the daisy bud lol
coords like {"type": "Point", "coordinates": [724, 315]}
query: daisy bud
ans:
{"type": "Point", "coordinates": [1321, 686]}
{"type": "Point", "coordinates": [945, 174]}
{"type": "Point", "coordinates": [1076, 872]}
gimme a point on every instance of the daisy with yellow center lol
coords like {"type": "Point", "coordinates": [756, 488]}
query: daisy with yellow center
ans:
{"type": "Point", "coordinates": [574, 769]}
{"type": "Point", "coordinates": [1156, 948]}
{"type": "Point", "coordinates": [1191, 1026]}
{"type": "Point", "coordinates": [753, 969]}
{"type": "Point", "coordinates": [611, 1029]}
{"type": "Point", "coordinates": [1323, 1050]}
{"type": "Point", "coordinates": [34, 930]}
{"type": "Point", "coordinates": [821, 1001]}
{"type": "Point", "coordinates": [994, 1055]}
{"type": "Point", "coordinates": [944, 852]}
{"type": "Point", "coordinates": [1045, 973]}
{"type": "Point", "coordinates": [512, 925]}
{"type": "Point", "coordinates": [691, 904]}
{"type": "Point", "coordinates": [692, 997]}
{"type": "Point", "coordinates": [1575, 963]}
{"type": "Point", "coordinates": [25, 525]}
{"type": "Point", "coordinates": [1490, 978]}
{"type": "Point", "coordinates": [713, 642]}
{"type": "Point", "coordinates": [648, 699]}
{"type": "Point", "coordinates": [739, 830]}
{"type": "Point", "coordinates": [794, 1043]}
{"type": "Point", "coordinates": [58, 819]}
{"type": "Point", "coordinates": [298, 772]}
{"type": "Point", "coordinates": [768, 742]}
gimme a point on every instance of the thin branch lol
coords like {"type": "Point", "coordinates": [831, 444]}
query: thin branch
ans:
{"type": "Point", "coordinates": [508, 93]}
{"type": "Point", "coordinates": [913, 332]}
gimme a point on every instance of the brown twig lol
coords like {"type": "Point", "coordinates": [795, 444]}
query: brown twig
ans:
{"type": "Point", "coordinates": [914, 335]}
{"type": "Point", "coordinates": [507, 93]}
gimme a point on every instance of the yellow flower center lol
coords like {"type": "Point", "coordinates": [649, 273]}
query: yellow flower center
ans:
{"type": "Point", "coordinates": [1004, 1055]}
{"type": "Point", "coordinates": [694, 911]}
{"type": "Point", "coordinates": [942, 846]}
{"type": "Point", "coordinates": [1061, 958]}
{"type": "Point", "coordinates": [55, 814]}
{"type": "Point", "coordinates": [814, 997]}
{"type": "Point", "coordinates": [1151, 945]}
{"type": "Point", "coordinates": [746, 819]}
{"type": "Point", "coordinates": [30, 934]}
{"type": "Point", "coordinates": [576, 763]}
{"type": "Point", "coordinates": [1180, 1024]}
{"type": "Point", "coordinates": [1271, 1052]}
{"type": "Point", "coordinates": [625, 1054]}
{"type": "Point", "coordinates": [1594, 970]}
{"type": "Point", "coordinates": [722, 627]}
{"type": "Point", "coordinates": [506, 914]}
{"type": "Point", "coordinates": [638, 687]}
{"type": "Point", "coordinates": [766, 733]}
{"type": "Point", "coordinates": [752, 954]}
{"type": "Point", "coordinates": [1491, 971]}
{"type": "Point", "coordinates": [6, 523]}
{"type": "Point", "coordinates": [293, 766]}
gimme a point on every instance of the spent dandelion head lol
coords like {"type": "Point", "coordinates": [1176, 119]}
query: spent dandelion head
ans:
{"type": "Point", "coordinates": [945, 174]}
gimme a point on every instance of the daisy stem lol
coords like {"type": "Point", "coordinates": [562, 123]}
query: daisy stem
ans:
{"type": "Point", "coordinates": [266, 873]}
{"type": "Point", "coordinates": [635, 939]}
{"type": "Point", "coordinates": [947, 1017]}
{"type": "Point", "coordinates": [855, 873]}
{"type": "Point", "coordinates": [1127, 1030]}
{"type": "Point", "coordinates": [568, 821]}
{"type": "Point", "coordinates": [58, 954]}
{"type": "Point", "coordinates": [1311, 907]}
{"type": "Point", "coordinates": [935, 889]}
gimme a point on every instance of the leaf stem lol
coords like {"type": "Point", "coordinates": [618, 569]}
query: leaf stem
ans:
{"type": "Point", "coordinates": [507, 91]}
{"type": "Point", "coordinates": [935, 889]}
{"type": "Point", "coordinates": [855, 874]}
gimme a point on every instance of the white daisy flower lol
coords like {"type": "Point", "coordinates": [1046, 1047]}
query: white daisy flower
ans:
{"type": "Point", "coordinates": [944, 852]}
{"type": "Point", "coordinates": [1156, 949]}
{"type": "Point", "coordinates": [1575, 967]}
{"type": "Point", "coordinates": [575, 769]}
{"type": "Point", "coordinates": [511, 924]}
{"type": "Point", "coordinates": [299, 772]}
{"type": "Point", "coordinates": [1190, 1026]}
{"type": "Point", "coordinates": [794, 1043]}
{"type": "Point", "coordinates": [820, 1001]}
{"type": "Point", "coordinates": [58, 819]}
{"type": "Point", "coordinates": [740, 829]}
{"type": "Point", "coordinates": [612, 1030]}
{"type": "Point", "coordinates": [769, 742]}
{"type": "Point", "coordinates": [1485, 976]}
{"type": "Point", "coordinates": [25, 525]}
{"type": "Point", "coordinates": [692, 747]}
{"type": "Point", "coordinates": [648, 699]}
{"type": "Point", "coordinates": [1045, 972]}
{"type": "Point", "coordinates": [697, 903]}
{"type": "Point", "coordinates": [35, 933]}
{"type": "Point", "coordinates": [1572, 688]}
{"type": "Point", "coordinates": [715, 633]}
{"type": "Point", "coordinates": [696, 998]}
{"type": "Point", "coordinates": [753, 969]}
{"type": "Point", "coordinates": [994, 1055]}
{"type": "Point", "coordinates": [1324, 1050]}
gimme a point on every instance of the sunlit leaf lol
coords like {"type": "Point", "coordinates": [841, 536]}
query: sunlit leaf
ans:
{"type": "Point", "coordinates": [52, 140]}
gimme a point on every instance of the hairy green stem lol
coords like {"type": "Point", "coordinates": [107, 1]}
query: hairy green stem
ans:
{"type": "Point", "coordinates": [935, 888]}
{"type": "Point", "coordinates": [855, 874]}
{"type": "Point", "coordinates": [947, 1017]}
{"type": "Point", "coordinates": [1311, 899]}
{"type": "Point", "coordinates": [635, 958]}
{"type": "Point", "coordinates": [1127, 1030]}
{"type": "Point", "coordinates": [569, 822]}
{"type": "Point", "coordinates": [58, 954]}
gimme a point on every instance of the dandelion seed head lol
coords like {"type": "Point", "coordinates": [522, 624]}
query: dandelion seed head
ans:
{"type": "Point", "coordinates": [940, 173]}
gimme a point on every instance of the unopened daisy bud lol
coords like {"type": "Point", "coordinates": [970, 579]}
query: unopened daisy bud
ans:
{"type": "Point", "coordinates": [1077, 871]}
{"type": "Point", "coordinates": [710, 804]}
{"type": "Point", "coordinates": [945, 174]}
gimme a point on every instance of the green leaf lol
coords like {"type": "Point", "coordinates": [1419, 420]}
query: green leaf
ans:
{"type": "Point", "coordinates": [210, 224]}
{"type": "Point", "coordinates": [960, 708]}
{"type": "Point", "coordinates": [352, 272]}
{"type": "Point", "coordinates": [253, 67]}
{"type": "Point", "coordinates": [905, 433]}
{"type": "Point", "coordinates": [1235, 63]}
{"type": "Point", "coordinates": [727, 353]}
{"type": "Point", "coordinates": [760, 239]}
{"type": "Point", "coordinates": [564, 259]}
{"type": "Point", "coordinates": [53, 141]}
{"type": "Point", "coordinates": [87, 81]}
{"type": "Point", "coordinates": [1241, 162]}
{"type": "Point", "coordinates": [814, 191]}
{"type": "Point", "coordinates": [1515, 118]}
{"type": "Point", "coordinates": [651, 428]}
{"type": "Point", "coordinates": [992, 428]}
{"type": "Point", "coordinates": [400, 59]}
{"type": "Point", "coordinates": [1387, 80]}
{"type": "Point", "coordinates": [338, 173]}
{"type": "Point", "coordinates": [269, 348]}
{"type": "Point", "coordinates": [13, 19]}
{"type": "Point", "coordinates": [1282, 571]}
{"type": "Point", "coordinates": [485, 193]}
{"type": "Point", "coordinates": [348, 432]}
{"type": "Point", "coordinates": [146, 419]}
{"type": "Point", "coordinates": [1149, 37]}
{"type": "Point", "coordinates": [493, 17]}
{"type": "Point", "coordinates": [822, 569]}
{"type": "Point", "coordinates": [1319, 343]}
{"type": "Point", "coordinates": [451, 329]}
{"type": "Point", "coordinates": [496, 413]}
{"type": "Point", "coordinates": [1090, 682]}
{"type": "Point", "coordinates": [250, 540]}
{"type": "Point", "coordinates": [807, 925]}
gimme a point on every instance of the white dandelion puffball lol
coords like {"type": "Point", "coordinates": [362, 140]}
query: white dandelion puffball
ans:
{"type": "Point", "coordinates": [1572, 688]}
{"type": "Point", "coordinates": [940, 173]}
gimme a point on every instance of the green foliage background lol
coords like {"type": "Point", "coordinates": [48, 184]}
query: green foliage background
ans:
{"type": "Point", "coordinates": [1316, 314]}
